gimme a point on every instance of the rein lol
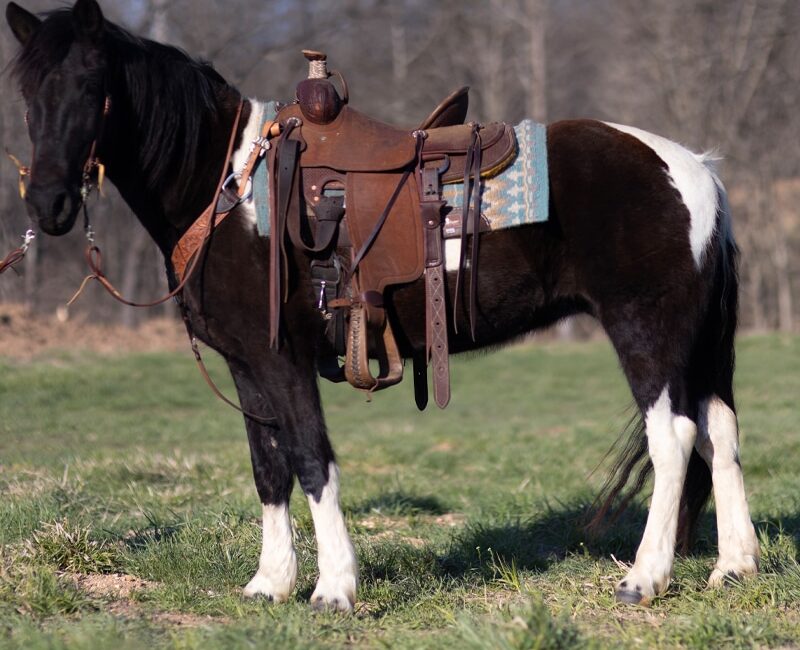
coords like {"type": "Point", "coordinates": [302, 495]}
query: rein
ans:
{"type": "Point", "coordinates": [209, 219]}
{"type": "Point", "coordinates": [94, 259]}
{"type": "Point", "coordinates": [16, 255]}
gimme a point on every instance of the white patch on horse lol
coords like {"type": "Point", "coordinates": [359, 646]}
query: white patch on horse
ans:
{"type": "Point", "coordinates": [277, 566]}
{"type": "Point", "coordinates": [452, 253]}
{"type": "Point", "coordinates": [239, 157]}
{"type": "Point", "coordinates": [718, 444]}
{"type": "Point", "coordinates": [670, 439]}
{"type": "Point", "coordinates": [338, 567]}
{"type": "Point", "coordinates": [691, 175]}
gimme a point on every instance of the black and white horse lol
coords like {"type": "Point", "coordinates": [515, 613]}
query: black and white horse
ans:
{"type": "Point", "coordinates": [639, 236]}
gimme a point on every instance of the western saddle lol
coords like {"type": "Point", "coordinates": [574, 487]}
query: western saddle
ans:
{"type": "Point", "coordinates": [363, 200]}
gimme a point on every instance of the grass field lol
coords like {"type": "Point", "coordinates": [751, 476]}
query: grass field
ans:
{"type": "Point", "coordinates": [128, 516]}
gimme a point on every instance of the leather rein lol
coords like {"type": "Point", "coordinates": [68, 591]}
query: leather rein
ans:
{"type": "Point", "coordinates": [191, 244]}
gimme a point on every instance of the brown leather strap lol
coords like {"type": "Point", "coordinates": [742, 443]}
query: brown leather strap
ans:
{"type": "Point", "coordinates": [14, 257]}
{"type": "Point", "coordinates": [197, 234]}
{"type": "Point", "coordinates": [283, 177]}
{"type": "Point", "coordinates": [204, 372]}
{"type": "Point", "coordinates": [435, 305]}
{"type": "Point", "coordinates": [472, 193]}
{"type": "Point", "coordinates": [420, 364]}
{"type": "Point", "coordinates": [436, 331]}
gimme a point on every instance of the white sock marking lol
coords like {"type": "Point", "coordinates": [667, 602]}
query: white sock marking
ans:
{"type": "Point", "coordinates": [452, 253]}
{"type": "Point", "coordinates": [277, 566]}
{"type": "Point", "coordinates": [670, 439]}
{"type": "Point", "coordinates": [718, 444]}
{"type": "Point", "coordinates": [338, 567]}
{"type": "Point", "coordinates": [696, 184]}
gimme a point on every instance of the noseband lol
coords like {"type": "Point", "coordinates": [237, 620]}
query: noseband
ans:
{"type": "Point", "coordinates": [92, 162]}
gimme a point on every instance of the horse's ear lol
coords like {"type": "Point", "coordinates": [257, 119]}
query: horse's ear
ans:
{"type": "Point", "coordinates": [22, 22]}
{"type": "Point", "coordinates": [88, 18]}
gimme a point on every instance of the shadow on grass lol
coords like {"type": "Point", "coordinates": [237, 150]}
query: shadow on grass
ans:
{"type": "Point", "coordinates": [483, 549]}
{"type": "Point", "coordinates": [155, 534]}
{"type": "Point", "coordinates": [536, 543]}
{"type": "Point", "coordinates": [487, 548]}
{"type": "Point", "coordinates": [399, 504]}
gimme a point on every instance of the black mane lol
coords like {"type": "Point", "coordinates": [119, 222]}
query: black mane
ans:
{"type": "Point", "coordinates": [172, 95]}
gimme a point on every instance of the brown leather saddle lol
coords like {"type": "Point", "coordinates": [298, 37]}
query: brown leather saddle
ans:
{"type": "Point", "coordinates": [363, 200]}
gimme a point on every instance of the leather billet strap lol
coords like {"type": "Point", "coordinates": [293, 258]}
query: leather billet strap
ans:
{"type": "Point", "coordinates": [284, 160]}
{"type": "Point", "coordinates": [435, 304]}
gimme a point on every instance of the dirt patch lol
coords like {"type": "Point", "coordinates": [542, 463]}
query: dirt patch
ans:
{"type": "Point", "coordinates": [118, 590]}
{"type": "Point", "coordinates": [25, 335]}
{"type": "Point", "coordinates": [115, 586]}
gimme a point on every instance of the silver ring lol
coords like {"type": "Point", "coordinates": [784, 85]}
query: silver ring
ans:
{"type": "Point", "coordinates": [238, 176]}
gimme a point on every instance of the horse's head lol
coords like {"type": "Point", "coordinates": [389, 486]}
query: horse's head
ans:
{"type": "Point", "coordinates": [61, 71]}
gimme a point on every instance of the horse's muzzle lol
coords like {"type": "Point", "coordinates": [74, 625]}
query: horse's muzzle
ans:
{"type": "Point", "coordinates": [53, 206]}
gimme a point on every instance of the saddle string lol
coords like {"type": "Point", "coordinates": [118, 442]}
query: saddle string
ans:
{"type": "Point", "coordinates": [472, 193]}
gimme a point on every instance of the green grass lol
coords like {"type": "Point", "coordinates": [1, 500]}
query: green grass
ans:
{"type": "Point", "coordinates": [467, 523]}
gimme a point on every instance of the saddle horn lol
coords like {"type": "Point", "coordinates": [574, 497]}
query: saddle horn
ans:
{"type": "Point", "coordinates": [317, 97]}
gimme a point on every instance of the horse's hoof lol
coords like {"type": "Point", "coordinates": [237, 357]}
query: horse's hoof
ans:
{"type": "Point", "coordinates": [321, 604]}
{"type": "Point", "coordinates": [720, 580]}
{"type": "Point", "coordinates": [258, 596]}
{"type": "Point", "coordinates": [629, 596]}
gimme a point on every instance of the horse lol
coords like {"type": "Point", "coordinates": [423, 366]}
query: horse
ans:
{"type": "Point", "coordinates": [638, 236]}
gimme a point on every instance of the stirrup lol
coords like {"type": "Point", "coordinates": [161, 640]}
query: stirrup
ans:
{"type": "Point", "coordinates": [356, 367]}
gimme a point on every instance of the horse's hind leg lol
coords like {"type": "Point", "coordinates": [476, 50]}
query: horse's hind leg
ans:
{"type": "Point", "coordinates": [718, 444]}
{"type": "Point", "coordinates": [670, 438]}
{"type": "Point", "coordinates": [654, 365]}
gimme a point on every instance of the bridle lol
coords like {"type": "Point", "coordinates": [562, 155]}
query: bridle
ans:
{"type": "Point", "coordinates": [93, 169]}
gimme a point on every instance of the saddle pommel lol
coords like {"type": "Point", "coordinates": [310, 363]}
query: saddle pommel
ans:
{"type": "Point", "coordinates": [318, 98]}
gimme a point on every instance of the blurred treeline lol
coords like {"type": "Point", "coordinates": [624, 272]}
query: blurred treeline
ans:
{"type": "Point", "coordinates": [711, 74]}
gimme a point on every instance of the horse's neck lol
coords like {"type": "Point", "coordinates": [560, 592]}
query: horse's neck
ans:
{"type": "Point", "coordinates": [168, 210]}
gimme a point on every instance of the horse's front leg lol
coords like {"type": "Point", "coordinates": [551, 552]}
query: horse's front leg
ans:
{"type": "Point", "coordinates": [338, 567]}
{"type": "Point", "coordinates": [297, 444]}
{"type": "Point", "coordinates": [274, 478]}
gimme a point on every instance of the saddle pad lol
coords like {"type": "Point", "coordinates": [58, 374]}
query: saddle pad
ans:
{"type": "Point", "coordinates": [260, 196]}
{"type": "Point", "coordinates": [519, 195]}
